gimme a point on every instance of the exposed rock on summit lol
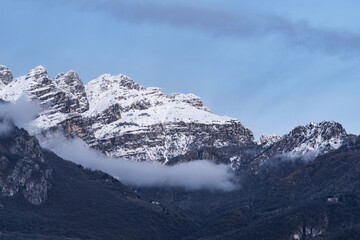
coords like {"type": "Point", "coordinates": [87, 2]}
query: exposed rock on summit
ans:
{"type": "Point", "coordinates": [5, 75]}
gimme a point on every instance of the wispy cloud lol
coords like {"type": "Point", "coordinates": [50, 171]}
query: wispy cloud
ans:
{"type": "Point", "coordinates": [192, 175]}
{"type": "Point", "coordinates": [223, 22]}
{"type": "Point", "coordinates": [21, 113]}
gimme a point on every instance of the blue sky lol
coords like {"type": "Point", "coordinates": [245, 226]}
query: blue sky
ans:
{"type": "Point", "coordinates": [271, 64]}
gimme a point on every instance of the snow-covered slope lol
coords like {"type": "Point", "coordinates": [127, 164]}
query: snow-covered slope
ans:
{"type": "Point", "coordinates": [141, 107]}
{"type": "Point", "coordinates": [145, 123]}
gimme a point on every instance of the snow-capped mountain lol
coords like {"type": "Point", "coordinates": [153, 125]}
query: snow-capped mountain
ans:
{"type": "Point", "coordinates": [122, 118]}
{"type": "Point", "coordinates": [311, 139]}
{"type": "Point", "coordinates": [302, 143]}
{"type": "Point", "coordinates": [306, 142]}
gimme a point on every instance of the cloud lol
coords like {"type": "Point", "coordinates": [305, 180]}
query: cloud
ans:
{"type": "Point", "coordinates": [21, 112]}
{"type": "Point", "coordinates": [222, 22]}
{"type": "Point", "coordinates": [192, 175]}
{"type": "Point", "coordinates": [5, 127]}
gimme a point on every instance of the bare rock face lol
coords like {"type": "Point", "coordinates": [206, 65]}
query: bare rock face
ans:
{"type": "Point", "coordinates": [5, 75]}
{"type": "Point", "coordinates": [61, 99]}
{"type": "Point", "coordinates": [71, 84]}
{"type": "Point", "coordinates": [23, 168]}
{"type": "Point", "coordinates": [177, 142]}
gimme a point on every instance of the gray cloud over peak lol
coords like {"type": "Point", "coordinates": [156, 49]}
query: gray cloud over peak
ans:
{"type": "Point", "coordinates": [221, 22]}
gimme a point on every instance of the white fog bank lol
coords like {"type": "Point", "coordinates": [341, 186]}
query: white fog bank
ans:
{"type": "Point", "coordinates": [192, 175]}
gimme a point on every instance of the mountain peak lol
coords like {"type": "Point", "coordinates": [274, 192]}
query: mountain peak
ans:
{"type": "Point", "coordinates": [71, 84]}
{"type": "Point", "coordinates": [38, 69]}
{"type": "Point", "coordinates": [307, 142]}
{"type": "Point", "coordinates": [69, 78]}
{"type": "Point", "coordinates": [108, 82]}
{"type": "Point", "coordinates": [323, 123]}
{"type": "Point", "coordinates": [39, 74]}
{"type": "Point", "coordinates": [325, 129]}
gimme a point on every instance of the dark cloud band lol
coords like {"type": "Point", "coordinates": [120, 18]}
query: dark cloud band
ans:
{"type": "Point", "coordinates": [221, 22]}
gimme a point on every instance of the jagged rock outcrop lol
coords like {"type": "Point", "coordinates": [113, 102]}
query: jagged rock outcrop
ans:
{"type": "Point", "coordinates": [23, 168]}
{"type": "Point", "coordinates": [61, 99]}
{"type": "Point", "coordinates": [5, 75]}
{"type": "Point", "coordinates": [71, 84]}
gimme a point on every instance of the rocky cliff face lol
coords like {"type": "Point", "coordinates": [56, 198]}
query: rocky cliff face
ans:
{"type": "Point", "coordinates": [5, 75]}
{"type": "Point", "coordinates": [71, 84]}
{"type": "Point", "coordinates": [23, 168]}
